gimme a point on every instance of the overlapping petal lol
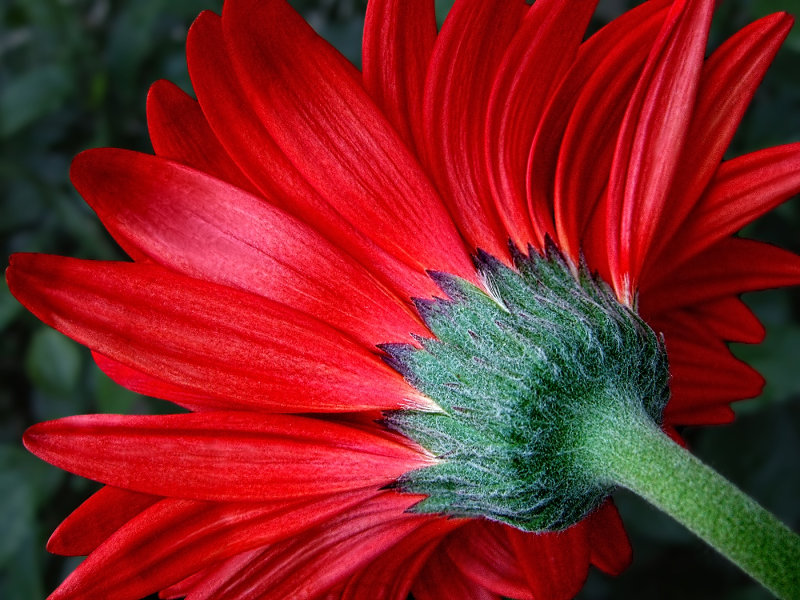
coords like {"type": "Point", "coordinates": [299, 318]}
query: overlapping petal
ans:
{"type": "Point", "coordinates": [205, 228]}
{"type": "Point", "coordinates": [743, 189]}
{"type": "Point", "coordinates": [398, 41]}
{"type": "Point", "coordinates": [179, 131]}
{"type": "Point", "coordinates": [730, 267]}
{"type": "Point", "coordinates": [97, 519]}
{"type": "Point", "coordinates": [468, 51]}
{"type": "Point", "coordinates": [175, 538]}
{"type": "Point", "coordinates": [482, 553]}
{"type": "Point", "coordinates": [535, 61]}
{"type": "Point", "coordinates": [728, 81]}
{"type": "Point", "coordinates": [436, 582]}
{"type": "Point", "coordinates": [244, 135]}
{"type": "Point", "coordinates": [405, 559]}
{"type": "Point", "coordinates": [311, 564]}
{"type": "Point", "coordinates": [310, 100]}
{"type": "Point", "coordinates": [148, 385]}
{"type": "Point", "coordinates": [241, 350]}
{"type": "Point", "coordinates": [651, 138]}
{"type": "Point", "coordinates": [253, 458]}
{"type": "Point", "coordinates": [571, 154]}
{"type": "Point", "coordinates": [609, 548]}
{"type": "Point", "coordinates": [555, 564]}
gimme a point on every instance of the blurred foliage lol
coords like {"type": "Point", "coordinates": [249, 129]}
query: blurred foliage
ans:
{"type": "Point", "coordinates": [74, 74]}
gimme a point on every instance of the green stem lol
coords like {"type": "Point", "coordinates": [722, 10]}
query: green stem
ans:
{"type": "Point", "coordinates": [633, 452]}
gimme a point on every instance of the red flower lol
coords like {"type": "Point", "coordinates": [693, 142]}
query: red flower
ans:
{"type": "Point", "coordinates": [290, 215]}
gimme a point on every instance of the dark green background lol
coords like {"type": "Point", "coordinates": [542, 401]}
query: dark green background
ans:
{"type": "Point", "coordinates": [74, 75]}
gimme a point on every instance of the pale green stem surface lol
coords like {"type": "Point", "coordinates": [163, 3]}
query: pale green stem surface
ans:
{"type": "Point", "coordinates": [631, 451]}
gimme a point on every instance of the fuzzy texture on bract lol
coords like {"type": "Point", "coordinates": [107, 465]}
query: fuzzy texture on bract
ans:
{"type": "Point", "coordinates": [292, 212]}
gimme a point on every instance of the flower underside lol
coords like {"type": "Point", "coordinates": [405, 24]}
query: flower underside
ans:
{"type": "Point", "coordinates": [520, 373]}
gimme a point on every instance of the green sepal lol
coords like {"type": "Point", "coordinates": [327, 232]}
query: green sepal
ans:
{"type": "Point", "coordinates": [515, 367]}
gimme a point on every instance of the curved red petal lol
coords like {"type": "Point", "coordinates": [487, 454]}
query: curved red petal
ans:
{"type": "Point", "coordinates": [203, 583]}
{"type": "Point", "coordinates": [585, 115]}
{"type": "Point", "coordinates": [392, 574]}
{"type": "Point", "coordinates": [468, 52]}
{"type": "Point", "coordinates": [205, 228]}
{"type": "Point", "coordinates": [743, 189]}
{"type": "Point", "coordinates": [222, 456]}
{"type": "Point", "coordinates": [481, 551]}
{"type": "Point", "coordinates": [729, 267]}
{"type": "Point", "coordinates": [175, 538]}
{"type": "Point", "coordinates": [441, 579]}
{"type": "Point", "coordinates": [322, 558]}
{"type": "Point", "coordinates": [179, 131]}
{"type": "Point", "coordinates": [609, 547]}
{"type": "Point", "coordinates": [241, 130]}
{"type": "Point", "coordinates": [537, 58]}
{"type": "Point", "coordinates": [705, 372]}
{"type": "Point", "coordinates": [147, 385]}
{"type": "Point", "coordinates": [97, 519]}
{"type": "Point", "coordinates": [727, 318]}
{"type": "Point", "coordinates": [555, 564]}
{"type": "Point", "coordinates": [717, 414]}
{"type": "Point", "coordinates": [239, 349]}
{"type": "Point", "coordinates": [348, 152]}
{"type": "Point", "coordinates": [727, 84]}
{"type": "Point", "coordinates": [398, 41]}
{"type": "Point", "coordinates": [651, 139]}
{"type": "Point", "coordinates": [182, 588]}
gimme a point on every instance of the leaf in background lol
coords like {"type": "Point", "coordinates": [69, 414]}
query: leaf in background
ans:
{"type": "Point", "coordinates": [15, 499]}
{"type": "Point", "coordinates": [9, 307]}
{"type": "Point", "coordinates": [112, 398]}
{"type": "Point", "coordinates": [22, 579]}
{"type": "Point", "coordinates": [53, 362]}
{"type": "Point", "coordinates": [26, 484]}
{"type": "Point", "coordinates": [41, 478]}
{"type": "Point", "coordinates": [31, 96]}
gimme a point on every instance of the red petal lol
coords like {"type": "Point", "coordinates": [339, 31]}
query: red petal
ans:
{"type": "Point", "coordinates": [204, 228]}
{"type": "Point", "coordinates": [584, 117]}
{"type": "Point", "coordinates": [555, 564]}
{"type": "Point", "coordinates": [480, 550]}
{"type": "Point", "coordinates": [222, 456]}
{"type": "Point", "coordinates": [202, 584]}
{"type": "Point", "coordinates": [95, 520]}
{"type": "Point", "coordinates": [651, 140]}
{"type": "Point", "coordinates": [176, 538]}
{"type": "Point", "coordinates": [441, 579]}
{"type": "Point", "coordinates": [729, 267]}
{"type": "Point", "coordinates": [728, 81]}
{"type": "Point", "coordinates": [392, 574]}
{"type": "Point", "coordinates": [248, 141]}
{"type": "Point", "coordinates": [535, 61]}
{"type": "Point", "coordinates": [309, 565]}
{"type": "Point", "coordinates": [728, 319]}
{"type": "Point", "coordinates": [310, 100]}
{"type": "Point", "coordinates": [397, 46]}
{"type": "Point", "coordinates": [705, 374]}
{"type": "Point", "coordinates": [239, 349]}
{"type": "Point", "coordinates": [464, 62]}
{"type": "Point", "coordinates": [696, 392]}
{"type": "Point", "coordinates": [147, 385]}
{"type": "Point", "coordinates": [720, 414]}
{"type": "Point", "coordinates": [179, 131]}
{"type": "Point", "coordinates": [743, 189]}
{"type": "Point", "coordinates": [609, 546]}
{"type": "Point", "coordinates": [182, 588]}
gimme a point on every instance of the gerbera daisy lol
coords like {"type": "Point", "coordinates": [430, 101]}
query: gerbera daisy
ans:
{"type": "Point", "coordinates": [426, 317]}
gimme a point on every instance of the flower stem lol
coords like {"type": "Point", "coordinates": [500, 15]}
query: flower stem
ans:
{"type": "Point", "coordinates": [633, 452]}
